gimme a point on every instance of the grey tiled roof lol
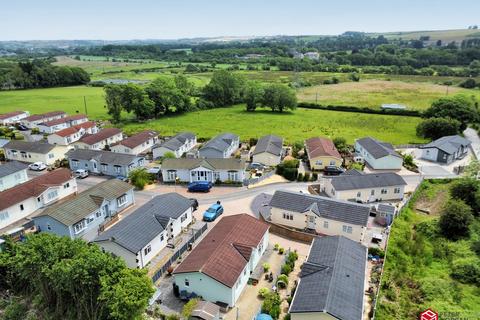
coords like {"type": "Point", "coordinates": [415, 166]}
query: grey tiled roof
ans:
{"type": "Point", "coordinates": [221, 142]}
{"type": "Point", "coordinates": [11, 168]}
{"type": "Point", "coordinates": [87, 202]}
{"type": "Point", "coordinates": [141, 226]}
{"type": "Point", "coordinates": [328, 208]}
{"type": "Point", "coordinates": [332, 279]}
{"type": "Point", "coordinates": [33, 147]}
{"type": "Point", "coordinates": [448, 144]}
{"type": "Point", "coordinates": [177, 141]}
{"type": "Point", "coordinates": [370, 180]}
{"type": "Point", "coordinates": [101, 156]}
{"type": "Point", "coordinates": [212, 164]}
{"type": "Point", "coordinates": [270, 143]}
{"type": "Point", "coordinates": [377, 148]}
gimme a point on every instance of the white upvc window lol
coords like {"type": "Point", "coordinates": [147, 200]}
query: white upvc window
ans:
{"type": "Point", "coordinates": [79, 227]}
{"type": "Point", "coordinates": [287, 216]}
{"type": "Point", "coordinates": [75, 163]}
{"type": "Point", "coordinates": [325, 224]}
{"type": "Point", "coordinates": [172, 174]}
{"type": "Point", "coordinates": [347, 229]}
{"type": "Point", "coordinates": [359, 194]}
{"type": "Point", "coordinates": [52, 194]}
{"type": "Point", "coordinates": [117, 168]}
{"type": "Point", "coordinates": [147, 250]}
{"type": "Point", "coordinates": [4, 215]}
{"type": "Point", "coordinates": [233, 175]}
{"type": "Point", "coordinates": [332, 162]}
{"type": "Point", "coordinates": [383, 191]}
{"type": "Point", "coordinates": [122, 200]}
{"type": "Point", "coordinates": [396, 190]}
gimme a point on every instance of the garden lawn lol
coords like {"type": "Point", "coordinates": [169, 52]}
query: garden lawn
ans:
{"type": "Point", "coordinates": [419, 262]}
{"type": "Point", "coordinates": [293, 126]}
{"type": "Point", "coordinates": [68, 99]}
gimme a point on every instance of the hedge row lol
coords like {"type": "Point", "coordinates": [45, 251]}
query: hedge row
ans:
{"type": "Point", "coordinates": [394, 112]}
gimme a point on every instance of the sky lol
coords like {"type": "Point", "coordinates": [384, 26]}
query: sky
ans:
{"type": "Point", "coordinates": [173, 19]}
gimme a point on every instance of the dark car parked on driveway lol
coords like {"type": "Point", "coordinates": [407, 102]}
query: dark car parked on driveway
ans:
{"type": "Point", "coordinates": [200, 186]}
{"type": "Point", "coordinates": [333, 171]}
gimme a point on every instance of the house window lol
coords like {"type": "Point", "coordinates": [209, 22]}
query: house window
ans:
{"type": "Point", "coordinates": [359, 194]}
{"type": "Point", "coordinates": [117, 169]}
{"type": "Point", "coordinates": [384, 191]}
{"type": "Point", "coordinates": [4, 215]}
{"type": "Point", "coordinates": [75, 163]}
{"type": "Point", "coordinates": [51, 155]}
{"type": "Point", "coordinates": [216, 175]}
{"type": "Point", "coordinates": [183, 218]}
{"type": "Point", "coordinates": [232, 175]}
{"type": "Point", "coordinates": [172, 174]}
{"type": "Point", "coordinates": [333, 191]}
{"type": "Point", "coordinates": [372, 192]}
{"type": "Point", "coordinates": [66, 185]}
{"type": "Point", "coordinates": [325, 224]}
{"type": "Point", "coordinates": [396, 190]}
{"type": "Point", "coordinates": [21, 207]}
{"type": "Point", "coordinates": [147, 250]}
{"type": "Point", "coordinates": [332, 162]}
{"type": "Point", "coordinates": [319, 162]}
{"type": "Point", "coordinates": [161, 238]}
{"type": "Point", "coordinates": [79, 227]}
{"type": "Point", "coordinates": [187, 283]}
{"type": "Point", "coordinates": [98, 214]}
{"type": "Point", "coordinates": [18, 176]}
{"type": "Point", "coordinates": [104, 167]}
{"type": "Point", "coordinates": [52, 195]}
{"type": "Point", "coordinates": [23, 154]}
{"type": "Point", "coordinates": [347, 229]}
{"type": "Point", "coordinates": [49, 227]}
{"type": "Point", "coordinates": [140, 162]}
{"type": "Point", "coordinates": [122, 200]}
{"type": "Point", "coordinates": [287, 216]}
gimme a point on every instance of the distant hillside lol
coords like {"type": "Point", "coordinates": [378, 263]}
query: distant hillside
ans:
{"type": "Point", "coordinates": [445, 35]}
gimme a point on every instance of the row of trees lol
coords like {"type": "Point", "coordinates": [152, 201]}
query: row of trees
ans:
{"type": "Point", "coordinates": [40, 74]}
{"type": "Point", "coordinates": [165, 96]}
{"type": "Point", "coordinates": [448, 116]}
{"type": "Point", "coordinates": [70, 279]}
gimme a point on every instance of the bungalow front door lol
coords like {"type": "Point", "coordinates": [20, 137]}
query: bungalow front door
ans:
{"type": "Point", "coordinates": [311, 222]}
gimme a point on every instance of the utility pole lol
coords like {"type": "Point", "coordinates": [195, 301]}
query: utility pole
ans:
{"type": "Point", "coordinates": [85, 104]}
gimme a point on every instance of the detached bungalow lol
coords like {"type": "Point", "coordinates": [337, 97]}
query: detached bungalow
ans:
{"type": "Point", "coordinates": [34, 152]}
{"type": "Point", "coordinates": [190, 170]}
{"type": "Point", "coordinates": [70, 135]}
{"type": "Point", "coordinates": [222, 146]}
{"type": "Point", "coordinates": [12, 173]}
{"type": "Point", "coordinates": [62, 123]}
{"type": "Point", "coordinates": [371, 187]}
{"type": "Point", "coordinates": [378, 155]}
{"type": "Point", "coordinates": [269, 150]}
{"type": "Point", "coordinates": [332, 281]}
{"type": "Point", "coordinates": [24, 199]}
{"type": "Point", "coordinates": [12, 117]}
{"type": "Point", "coordinates": [178, 145]}
{"type": "Point", "coordinates": [321, 153]}
{"type": "Point", "coordinates": [104, 162]}
{"type": "Point", "coordinates": [34, 120]}
{"type": "Point", "coordinates": [145, 232]}
{"type": "Point", "coordinates": [220, 265]}
{"type": "Point", "coordinates": [81, 216]}
{"type": "Point", "coordinates": [136, 144]}
{"type": "Point", "coordinates": [100, 140]}
{"type": "Point", "coordinates": [323, 215]}
{"type": "Point", "coordinates": [446, 149]}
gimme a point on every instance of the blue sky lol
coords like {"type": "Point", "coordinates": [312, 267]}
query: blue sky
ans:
{"type": "Point", "coordinates": [149, 19]}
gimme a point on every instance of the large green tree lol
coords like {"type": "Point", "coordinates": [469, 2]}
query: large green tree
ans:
{"type": "Point", "coordinates": [458, 107]}
{"type": "Point", "coordinates": [455, 219]}
{"type": "Point", "coordinates": [279, 97]}
{"type": "Point", "coordinates": [252, 95]}
{"type": "Point", "coordinates": [224, 89]}
{"type": "Point", "coordinates": [135, 99]}
{"type": "Point", "coordinates": [434, 128]}
{"type": "Point", "coordinates": [113, 99]}
{"type": "Point", "coordinates": [75, 280]}
{"type": "Point", "coordinates": [168, 97]}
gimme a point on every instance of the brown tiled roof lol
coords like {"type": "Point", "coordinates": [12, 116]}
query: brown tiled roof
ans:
{"type": "Point", "coordinates": [36, 117]}
{"type": "Point", "coordinates": [318, 147]}
{"type": "Point", "coordinates": [225, 250]}
{"type": "Point", "coordinates": [10, 114]}
{"type": "Point", "coordinates": [69, 131]}
{"type": "Point", "coordinates": [99, 136]}
{"type": "Point", "coordinates": [63, 120]}
{"type": "Point", "coordinates": [138, 139]}
{"type": "Point", "coordinates": [33, 187]}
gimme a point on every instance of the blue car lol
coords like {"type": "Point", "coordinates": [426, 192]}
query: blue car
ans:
{"type": "Point", "coordinates": [200, 186]}
{"type": "Point", "coordinates": [213, 212]}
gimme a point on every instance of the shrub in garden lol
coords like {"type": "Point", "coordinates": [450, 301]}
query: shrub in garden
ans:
{"type": "Point", "coordinates": [263, 292]}
{"type": "Point", "coordinates": [266, 267]}
{"type": "Point", "coordinates": [286, 269]}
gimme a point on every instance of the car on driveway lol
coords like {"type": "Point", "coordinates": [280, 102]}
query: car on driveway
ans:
{"type": "Point", "coordinates": [333, 171]}
{"type": "Point", "coordinates": [22, 127]}
{"type": "Point", "coordinates": [122, 178]}
{"type": "Point", "coordinates": [200, 186]}
{"type": "Point", "coordinates": [213, 212]}
{"type": "Point", "coordinates": [81, 173]}
{"type": "Point", "coordinates": [37, 166]}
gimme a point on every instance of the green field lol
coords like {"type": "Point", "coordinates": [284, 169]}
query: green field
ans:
{"type": "Point", "coordinates": [295, 126]}
{"type": "Point", "coordinates": [419, 263]}
{"type": "Point", "coordinates": [68, 99]}
{"type": "Point", "coordinates": [445, 35]}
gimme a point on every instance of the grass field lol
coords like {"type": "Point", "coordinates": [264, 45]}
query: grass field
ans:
{"type": "Point", "coordinates": [419, 263]}
{"type": "Point", "coordinates": [68, 99]}
{"type": "Point", "coordinates": [295, 126]}
{"type": "Point", "coordinates": [445, 35]}
{"type": "Point", "coordinates": [373, 93]}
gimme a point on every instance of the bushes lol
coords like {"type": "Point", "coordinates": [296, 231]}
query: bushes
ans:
{"type": "Point", "coordinates": [263, 292]}
{"type": "Point", "coordinates": [455, 220]}
{"type": "Point", "coordinates": [434, 128]}
{"type": "Point", "coordinates": [376, 252]}
{"type": "Point", "coordinates": [271, 305]}
{"type": "Point", "coordinates": [266, 267]}
{"type": "Point", "coordinates": [140, 177]}
{"type": "Point", "coordinates": [188, 308]}
{"type": "Point", "coordinates": [398, 112]}
{"type": "Point", "coordinates": [467, 273]}
{"type": "Point", "coordinates": [282, 281]}
{"type": "Point", "coordinates": [286, 269]}
{"type": "Point", "coordinates": [288, 169]}
{"type": "Point", "coordinates": [16, 310]}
